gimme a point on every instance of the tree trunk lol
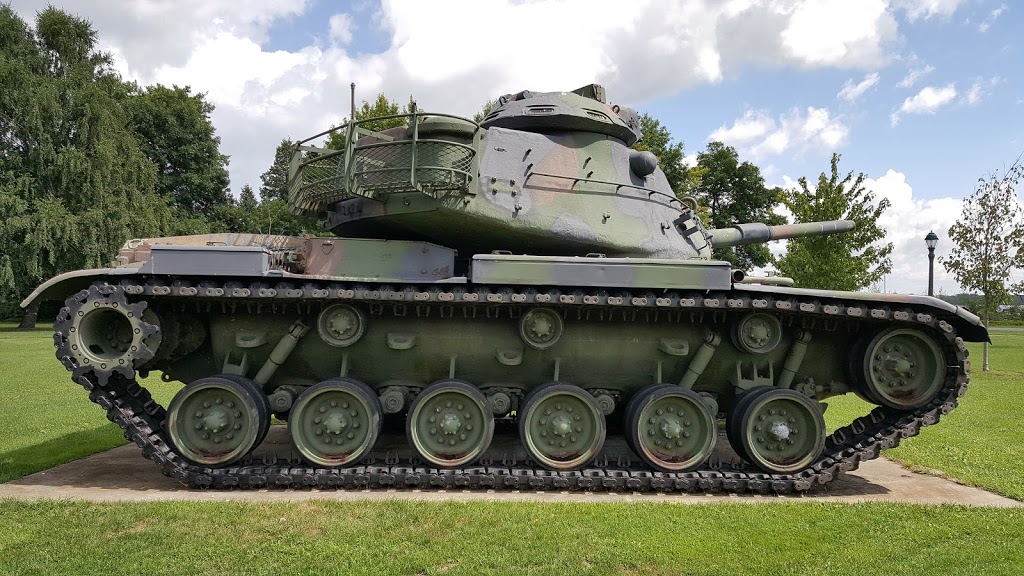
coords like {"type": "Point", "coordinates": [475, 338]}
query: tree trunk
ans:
{"type": "Point", "coordinates": [28, 321]}
{"type": "Point", "coordinates": [984, 345]}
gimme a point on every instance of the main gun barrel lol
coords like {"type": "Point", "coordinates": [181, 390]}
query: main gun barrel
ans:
{"type": "Point", "coordinates": [756, 232]}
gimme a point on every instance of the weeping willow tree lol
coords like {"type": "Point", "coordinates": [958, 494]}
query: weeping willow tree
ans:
{"type": "Point", "coordinates": [74, 184]}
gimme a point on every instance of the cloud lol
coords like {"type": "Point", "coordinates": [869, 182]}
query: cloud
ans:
{"type": "Point", "coordinates": [851, 91]}
{"type": "Point", "coordinates": [340, 28]}
{"type": "Point", "coordinates": [156, 32]}
{"type": "Point", "coordinates": [991, 18]}
{"type": "Point", "coordinates": [906, 222]}
{"type": "Point", "coordinates": [925, 9]}
{"type": "Point", "coordinates": [261, 95]}
{"type": "Point", "coordinates": [928, 101]}
{"type": "Point", "coordinates": [829, 32]}
{"type": "Point", "coordinates": [760, 135]}
{"type": "Point", "coordinates": [974, 94]}
{"type": "Point", "coordinates": [980, 88]}
{"type": "Point", "coordinates": [914, 75]}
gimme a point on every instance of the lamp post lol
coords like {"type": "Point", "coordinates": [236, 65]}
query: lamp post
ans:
{"type": "Point", "coordinates": [931, 240]}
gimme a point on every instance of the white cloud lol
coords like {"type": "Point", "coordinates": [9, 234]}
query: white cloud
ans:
{"type": "Point", "coordinates": [980, 88]}
{"type": "Point", "coordinates": [261, 95]}
{"type": "Point", "coordinates": [914, 75]}
{"type": "Point", "coordinates": [991, 18]}
{"type": "Point", "coordinates": [340, 28]}
{"type": "Point", "coordinates": [851, 91]}
{"type": "Point", "coordinates": [760, 135]}
{"type": "Point", "coordinates": [928, 101]}
{"type": "Point", "coordinates": [828, 32]}
{"type": "Point", "coordinates": [974, 94]}
{"type": "Point", "coordinates": [925, 9]}
{"type": "Point", "coordinates": [906, 222]}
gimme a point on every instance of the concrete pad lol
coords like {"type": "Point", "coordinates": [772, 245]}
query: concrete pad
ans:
{"type": "Point", "coordinates": [123, 475]}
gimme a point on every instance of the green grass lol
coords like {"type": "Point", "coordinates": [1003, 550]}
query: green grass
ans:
{"type": "Point", "coordinates": [47, 419]}
{"type": "Point", "coordinates": [401, 537]}
{"type": "Point", "coordinates": [981, 443]}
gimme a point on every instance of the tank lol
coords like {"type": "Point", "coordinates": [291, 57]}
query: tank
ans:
{"type": "Point", "coordinates": [519, 303]}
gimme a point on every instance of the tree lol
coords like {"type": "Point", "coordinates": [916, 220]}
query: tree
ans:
{"type": "Point", "coordinates": [73, 183]}
{"type": "Point", "coordinates": [380, 107]}
{"type": "Point", "coordinates": [272, 214]}
{"type": "Point", "coordinates": [848, 261]}
{"type": "Point", "coordinates": [247, 200]}
{"type": "Point", "coordinates": [489, 106]}
{"type": "Point", "coordinates": [275, 179]}
{"type": "Point", "coordinates": [658, 140]}
{"type": "Point", "coordinates": [734, 192]}
{"type": "Point", "coordinates": [175, 132]}
{"type": "Point", "coordinates": [988, 242]}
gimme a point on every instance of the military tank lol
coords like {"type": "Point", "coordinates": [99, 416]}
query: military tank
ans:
{"type": "Point", "coordinates": [517, 303]}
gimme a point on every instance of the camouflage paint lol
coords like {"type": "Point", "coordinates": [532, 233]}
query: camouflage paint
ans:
{"type": "Point", "coordinates": [617, 294]}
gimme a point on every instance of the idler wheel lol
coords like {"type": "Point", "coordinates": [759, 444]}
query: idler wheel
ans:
{"type": "Point", "coordinates": [450, 423]}
{"type": "Point", "coordinates": [216, 420]}
{"type": "Point", "coordinates": [561, 426]}
{"type": "Point", "coordinates": [903, 369]}
{"type": "Point", "coordinates": [670, 428]}
{"type": "Point", "coordinates": [335, 422]}
{"type": "Point", "coordinates": [780, 431]}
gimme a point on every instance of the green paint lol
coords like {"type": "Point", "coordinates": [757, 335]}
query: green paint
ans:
{"type": "Point", "coordinates": [335, 422]}
{"type": "Point", "coordinates": [782, 430]}
{"type": "Point", "coordinates": [561, 427]}
{"type": "Point", "coordinates": [215, 421]}
{"type": "Point", "coordinates": [903, 369]}
{"type": "Point", "coordinates": [450, 424]}
{"type": "Point", "coordinates": [604, 282]}
{"type": "Point", "coordinates": [671, 428]}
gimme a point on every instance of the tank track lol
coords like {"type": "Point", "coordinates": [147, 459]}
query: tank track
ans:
{"type": "Point", "coordinates": [130, 406]}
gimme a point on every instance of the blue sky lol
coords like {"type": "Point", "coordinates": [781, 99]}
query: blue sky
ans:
{"type": "Point", "coordinates": [924, 96]}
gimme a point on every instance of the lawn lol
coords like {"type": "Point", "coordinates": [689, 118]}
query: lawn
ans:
{"type": "Point", "coordinates": [402, 537]}
{"type": "Point", "coordinates": [47, 420]}
{"type": "Point", "coordinates": [980, 443]}
{"type": "Point", "coordinates": [976, 445]}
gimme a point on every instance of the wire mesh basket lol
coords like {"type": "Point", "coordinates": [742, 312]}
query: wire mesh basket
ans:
{"type": "Point", "coordinates": [377, 167]}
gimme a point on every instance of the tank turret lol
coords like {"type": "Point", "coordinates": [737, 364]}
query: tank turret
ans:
{"type": "Point", "coordinates": [548, 173]}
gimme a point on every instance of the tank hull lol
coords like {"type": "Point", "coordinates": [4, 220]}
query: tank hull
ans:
{"type": "Point", "coordinates": [609, 352]}
{"type": "Point", "coordinates": [613, 342]}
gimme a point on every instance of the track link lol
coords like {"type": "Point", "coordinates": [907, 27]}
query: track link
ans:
{"type": "Point", "coordinates": [130, 405]}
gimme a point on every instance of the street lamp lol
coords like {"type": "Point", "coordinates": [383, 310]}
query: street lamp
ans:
{"type": "Point", "coordinates": [931, 240]}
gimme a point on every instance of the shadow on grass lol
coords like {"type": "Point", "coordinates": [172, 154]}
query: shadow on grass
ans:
{"type": "Point", "coordinates": [21, 462]}
{"type": "Point", "coordinates": [8, 328]}
{"type": "Point", "coordinates": [127, 469]}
